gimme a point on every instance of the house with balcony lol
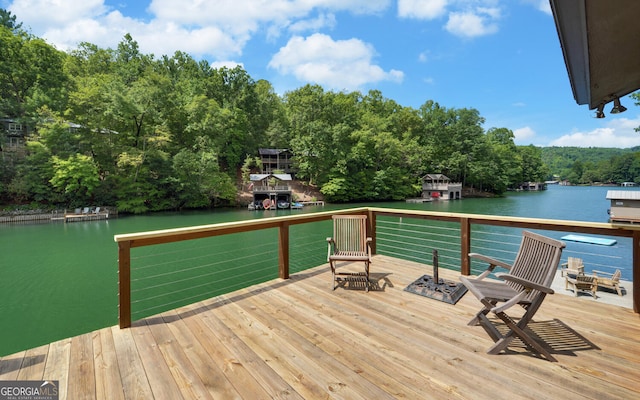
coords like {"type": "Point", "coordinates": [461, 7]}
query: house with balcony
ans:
{"type": "Point", "coordinates": [270, 191]}
{"type": "Point", "coordinates": [12, 136]}
{"type": "Point", "coordinates": [440, 187]}
{"type": "Point", "coordinates": [275, 160]}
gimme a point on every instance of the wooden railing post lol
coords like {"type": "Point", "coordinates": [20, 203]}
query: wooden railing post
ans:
{"type": "Point", "coordinates": [372, 230]}
{"type": "Point", "coordinates": [283, 250]}
{"type": "Point", "coordinates": [124, 284]}
{"type": "Point", "coordinates": [636, 271]}
{"type": "Point", "coordinates": [465, 246]}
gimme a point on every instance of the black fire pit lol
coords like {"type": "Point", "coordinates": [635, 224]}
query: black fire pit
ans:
{"type": "Point", "coordinates": [436, 288]}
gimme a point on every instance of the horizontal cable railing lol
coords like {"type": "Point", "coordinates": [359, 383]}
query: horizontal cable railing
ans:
{"type": "Point", "coordinates": [166, 269]}
{"type": "Point", "coordinates": [415, 240]}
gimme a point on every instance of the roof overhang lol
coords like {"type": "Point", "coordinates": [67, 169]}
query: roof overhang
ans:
{"type": "Point", "coordinates": [601, 46]}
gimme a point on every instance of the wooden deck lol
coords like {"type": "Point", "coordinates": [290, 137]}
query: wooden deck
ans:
{"type": "Point", "coordinates": [298, 339]}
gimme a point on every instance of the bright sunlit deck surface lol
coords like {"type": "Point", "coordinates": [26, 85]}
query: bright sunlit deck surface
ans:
{"type": "Point", "coordinates": [297, 338]}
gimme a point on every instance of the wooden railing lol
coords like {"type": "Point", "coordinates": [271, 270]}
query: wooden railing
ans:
{"type": "Point", "coordinates": [466, 221]}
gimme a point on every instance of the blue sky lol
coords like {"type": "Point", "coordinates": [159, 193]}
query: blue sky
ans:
{"type": "Point", "coordinates": [501, 57]}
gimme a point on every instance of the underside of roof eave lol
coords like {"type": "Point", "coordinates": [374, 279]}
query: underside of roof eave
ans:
{"type": "Point", "coordinates": [571, 24]}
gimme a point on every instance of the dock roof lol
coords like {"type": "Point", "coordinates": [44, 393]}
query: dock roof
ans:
{"type": "Point", "coordinates": [260, 177]}
{"type": "Point", "coordinates": [623, 195]}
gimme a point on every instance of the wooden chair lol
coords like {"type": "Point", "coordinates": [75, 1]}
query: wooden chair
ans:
{"type": "Point", "coordinates": [609, 280]}
{"type": "Point", "coordinates": [527, 284]}
{"type": "Point", "coordinates": [349, 243]}
{"type": "Point", "coordinates": [582, 283]}
{"type": "Point", "coordinates": [573, 267]}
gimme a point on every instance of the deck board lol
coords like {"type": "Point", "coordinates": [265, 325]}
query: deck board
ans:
{"type": "Point", "coordinates": [298, 339]}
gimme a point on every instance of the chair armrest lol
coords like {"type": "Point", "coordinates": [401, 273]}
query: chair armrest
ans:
{"type": "Point", "coordinates": [602, 274]}
{"type": "Point", "coordinates": [491, 261]}
{"type": "Point", "coordinates": [526, 283]}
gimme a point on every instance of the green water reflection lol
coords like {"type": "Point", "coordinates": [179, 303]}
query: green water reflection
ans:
{"type": "Point", "coordinates": [59, 280]}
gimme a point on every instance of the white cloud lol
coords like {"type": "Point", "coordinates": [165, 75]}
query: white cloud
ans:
{"type": "Point", "coordinates": [341, 64]}
{"type": "Point", "coordinates": [523, 135]}
{"type": "Point", "coordinates": [227, 64]}
{"type": "Point", "coordinates": [421, 9]}
{"type": "Point", "coordinates": [472, 24]}
{"type": "Point", "coordinates": [541, 5]}
{"type": "Point", "coordinates": [218, 28]}
{"type": "Point", "coordinates": [322, 21]}
{"type": "Point", "coordinates": [57, 12]}
{"type": "Point", "coordinates": [618, 133]}
{"type": "Point", "coordinates": [246, 15]}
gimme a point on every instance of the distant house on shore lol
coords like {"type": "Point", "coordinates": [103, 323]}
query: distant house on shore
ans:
{"type": "Point", "coordinates": [439, 186]}
{"type": "Point", "coordinates": [275, 160]}
{"type": "Point", "coordinates": [270, 191]}
{"type": "Point", "coordinates": [532, 186]}
{"type": "Point", "coordinates": [12, 137]}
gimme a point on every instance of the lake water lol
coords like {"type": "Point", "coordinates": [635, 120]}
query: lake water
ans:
{"type": "Point", "coordinates": [59, 280]}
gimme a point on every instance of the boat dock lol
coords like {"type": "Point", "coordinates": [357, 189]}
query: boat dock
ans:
{"type": "Point", "coordinates": [420, 200]}
{"type": "Point", "coordinates": [26, 218]}
{"type": "Point", "coordinates": [312, 203]}
{"type": "Point", "coordinates": [86, 214]}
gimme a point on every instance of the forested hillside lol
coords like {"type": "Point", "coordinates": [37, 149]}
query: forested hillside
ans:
{"type": "Point", "coordinates": [589, 165]}
{"type": "Point", "coordinates": [144, 133]}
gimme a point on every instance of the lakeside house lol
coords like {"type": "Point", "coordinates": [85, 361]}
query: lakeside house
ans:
{"type": "Point", "coordinates": [625, 206]}
{"type": "Point", "coordinates": [270, 191]}
{"type": "Point", "coordinates": [439, 186]}
{"type": "Point", "coordinates": [14, 136]}
{"type": "Point", "coordinates": [276, 160]}
{"type": "Point", "coordinates": [532, 186]}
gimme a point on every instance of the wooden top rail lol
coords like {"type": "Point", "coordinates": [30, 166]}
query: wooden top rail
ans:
{"type": "Point", "coordinates": [600, 228]}
{"type": "Point", "coordinates": [131, 240]}
{"type": "Point", "coordinates": [196, 232]}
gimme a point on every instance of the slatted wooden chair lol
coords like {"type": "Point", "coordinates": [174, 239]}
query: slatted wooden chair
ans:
{"type": "Point", "coordinates": [351, 244]}
{"type": "Point", "coordinates": [608, 280]}
{"type": "Point", "coordinates": [527, 283]}
{"type": "Point", "coordinates": [573, 267]}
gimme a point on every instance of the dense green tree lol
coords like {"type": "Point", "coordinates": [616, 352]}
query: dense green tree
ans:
{"type": "Point", "coordinates": [31, 76]}
{"type": "Point", "coordinates": [116, 126]}
{"type": "Point", "coordinates": [33, 178]}
{"type": "Point", "coordinates": [75, 177]}
{"type": "Point", "coordinates": [533, 169]}
{"type": "Point", "coordinates": [199, 182]}
{"type": "Point", "coordinates": [8, 21]}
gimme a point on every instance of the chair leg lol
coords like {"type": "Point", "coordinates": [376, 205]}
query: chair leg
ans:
{"type": "Point", "coordinates": [517, 329]}
{"type": "Point", "coordinates": [366, 274]}
{"type": "Point", "coordinates": [504, 342]}
{"type": "Point", "coordinates": [333, 275]}
{"type": "Point", "coordinates": [477, 319]}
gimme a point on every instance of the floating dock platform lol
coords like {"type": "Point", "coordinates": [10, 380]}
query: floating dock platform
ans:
{"type": "Point", "coordinates": [590, 240]}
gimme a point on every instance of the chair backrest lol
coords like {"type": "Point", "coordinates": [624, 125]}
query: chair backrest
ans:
{"type": "Point", "coordinates": [536, 261]}
{"type": "Point", "coordinates": [350, 232]}
{"type": "Point", "coordinates": [616, 276]}
{"type": "Point", "coordinates": [574, 263]}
